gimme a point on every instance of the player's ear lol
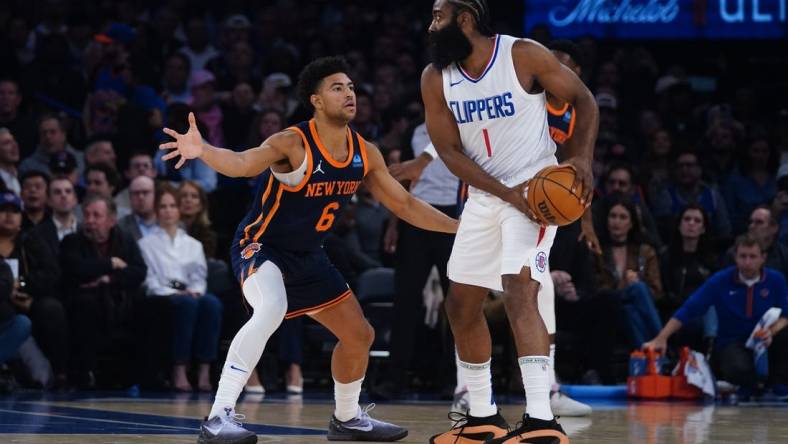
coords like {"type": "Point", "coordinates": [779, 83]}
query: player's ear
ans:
{"type": "Point", "coordinates": [316, 101]}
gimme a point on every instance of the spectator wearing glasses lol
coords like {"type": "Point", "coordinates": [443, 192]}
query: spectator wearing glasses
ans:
{"type": "Point", "coordinates": [140, 164]}
{"type": "Point", "coordinates": [142, 219]}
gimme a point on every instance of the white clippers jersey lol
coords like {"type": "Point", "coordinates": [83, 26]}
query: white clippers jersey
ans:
{"type": "Point", "coordinates": [503, 128]}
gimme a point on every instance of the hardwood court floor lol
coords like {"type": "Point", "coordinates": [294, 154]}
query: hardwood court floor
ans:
{"type": "Point", "coordinates": [88, 418]}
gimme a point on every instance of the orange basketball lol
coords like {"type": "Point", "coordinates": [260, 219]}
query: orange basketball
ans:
{"type": "Point", "coordinates": [550, 198]}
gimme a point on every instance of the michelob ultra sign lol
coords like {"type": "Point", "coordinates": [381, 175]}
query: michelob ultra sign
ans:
{"type": "Point", "coordinates": [660, 19]}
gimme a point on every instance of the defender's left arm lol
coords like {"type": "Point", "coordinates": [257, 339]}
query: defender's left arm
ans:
{"type": "Point", "coordinates": [403, 204]}
{"type": "Point", "coordinates": [534, 60]}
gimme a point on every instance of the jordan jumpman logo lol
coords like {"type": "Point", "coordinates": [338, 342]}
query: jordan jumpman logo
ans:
{"type": "Point", "coordinates": [319, 167]}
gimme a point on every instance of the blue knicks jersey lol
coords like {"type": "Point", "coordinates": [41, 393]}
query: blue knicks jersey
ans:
{"type": "Point", "coordinates": [561, 122]}
{"type": "Point", "coordinates": [297, 218]}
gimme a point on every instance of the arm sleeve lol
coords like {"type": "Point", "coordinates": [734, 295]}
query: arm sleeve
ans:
{"type": "Point", "coordinates": [699, 301]}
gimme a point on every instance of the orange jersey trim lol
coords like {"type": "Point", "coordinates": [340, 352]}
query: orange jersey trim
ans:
{"type": "Point", "coordinates": [262, 205]}
{"type": "Point", "coordinates": [270, 213]}
{"type": "Point", "coordinates": [335, 163]}
{"type": "Point", "coordinates": [308, 154]}
{"type": "Point", "coordinates": [571, 126]}
{"type": "Point", "coordinates": [362, 147]}
{"type": "Point", "coordinates": [557, 112]}
{"type": "Point", "coordinates": [320, 307]}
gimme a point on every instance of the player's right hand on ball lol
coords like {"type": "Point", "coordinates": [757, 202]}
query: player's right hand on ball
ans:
{"type": "Point", "coordinates": [187, 145]}
{"type": "Point", "coordinates": [517, 198]}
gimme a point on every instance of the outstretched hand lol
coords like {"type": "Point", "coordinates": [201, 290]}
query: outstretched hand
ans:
{"type": "Point", "coordinates": [188, 145]}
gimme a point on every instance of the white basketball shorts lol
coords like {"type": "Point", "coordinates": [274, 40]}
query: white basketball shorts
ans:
{"type": "Point", "coordinates": [494, 239]}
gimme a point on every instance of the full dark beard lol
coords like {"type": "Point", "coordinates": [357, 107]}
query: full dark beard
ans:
{"type": "Point", "coordinates": [449, 45]}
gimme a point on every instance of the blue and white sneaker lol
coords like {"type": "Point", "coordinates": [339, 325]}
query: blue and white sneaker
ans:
{"type": "Point", "coordinates": [225, 429]}
{"type": "Point", "coordinates": [364, 428]}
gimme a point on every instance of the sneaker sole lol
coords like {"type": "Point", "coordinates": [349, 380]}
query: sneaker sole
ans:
{"type": "Point", "coordinates": [393, 438]}
{"type": "Point", "coordinates": [251, 440]}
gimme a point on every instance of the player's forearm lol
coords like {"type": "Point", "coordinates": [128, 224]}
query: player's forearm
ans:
{"type": "Point", "coordinates": [471, 173]}
{"type": "Point", "coordinates": [779, 325]}
{"type": "Point", "coordinates": [423, 215]}
{"type": "Point", "coordinates": [224, 161]}
{"type": "Point", "coordinates": [671, 327]}
{"type": "Point", "coordinates": [582, 142]}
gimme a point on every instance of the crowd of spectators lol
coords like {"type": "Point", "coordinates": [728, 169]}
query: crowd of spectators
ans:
{"type": "Point", "coordinates": [101, 239]}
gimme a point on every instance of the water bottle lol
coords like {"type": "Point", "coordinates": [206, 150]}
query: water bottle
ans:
{"type": "Point", "coordinates": [637, 363]}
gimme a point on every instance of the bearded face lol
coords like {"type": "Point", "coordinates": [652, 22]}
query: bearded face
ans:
{"type": "Point", "coordinates": [449, 45]}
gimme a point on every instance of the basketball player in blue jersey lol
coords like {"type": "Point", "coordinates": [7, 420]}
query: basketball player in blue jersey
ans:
{"type": "Point", "coordinates": [484, 97]}
{"type": "Point", "coordinates": [309, 173]}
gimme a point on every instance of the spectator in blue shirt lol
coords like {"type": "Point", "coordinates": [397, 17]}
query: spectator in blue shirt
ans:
{"type": "Point", "coordinates": [741, 295]}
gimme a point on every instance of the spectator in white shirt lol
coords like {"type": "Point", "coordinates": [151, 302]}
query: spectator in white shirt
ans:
{"type": "Point", "coordinates": [177, 270]}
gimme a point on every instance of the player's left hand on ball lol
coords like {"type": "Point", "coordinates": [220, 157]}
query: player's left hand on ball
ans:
{"type": "Point", "coordinates": [584, 179]}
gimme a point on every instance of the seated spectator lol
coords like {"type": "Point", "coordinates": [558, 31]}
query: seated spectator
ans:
{"type": "Point", "coordinates": [34, 196]}
{"type": "Point", "coordinates": [51, 140]}
{"type": "Point", "coordinates": [12, 116]}
{"type": "Point", "coordinates": [9, 159]}
{"type": "Point", "coordinates": [63, 220]}
{"type": "Point", "coordinates": [689, 261]}
{"type": "Point", "coordinates": [780, 203]}
{"type": "Point", "coordinates": [38, 277]}
{"type": "Point", "coordinates": [764, 227]}
{"type": "Point", "coordinates": [585, 330]}
{"type": "Point", "coordinates": [193, 208]}
{"type": "Point", "coordinates": [177, 270]}
{"type": "Point", "coordinates": [752, 184]}
{"type": "Point", "coordinates": [140, 164]}
{"type": "Point", "coordinates": [730, 291]}
{"type": "Point", "coordinates": [175, 79]}
{"type": "Point", "coordinates": [629, 268]}
{"type": "Point", "coordinates": [100, 151]}
{"type": "Point", "coordinates": [63, 165]}
{"type": "Point", "coordinates": [14, 328]}
{"type": "Point", "coordinates": [101, 179]}
{"type": "Point", "coordinates": [142, 219]}
{"type": "Point", "coordinates": [103, 272]}
{"type": "Point", "coordinates": [620, 178]}
{"type": "Point", "coordinates": [371, 219]}
{"type": "Point", "coordinates": [686, 188]}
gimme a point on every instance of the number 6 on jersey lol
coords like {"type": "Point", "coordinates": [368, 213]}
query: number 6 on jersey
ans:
{"type": "Point", "coordinates": [327, 218]}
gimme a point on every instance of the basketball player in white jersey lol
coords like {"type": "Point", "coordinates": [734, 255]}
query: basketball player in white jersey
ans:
{"type": "Point", "coordinates": [484, 97]}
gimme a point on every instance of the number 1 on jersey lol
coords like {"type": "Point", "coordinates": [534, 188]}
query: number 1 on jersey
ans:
{"type": "Point", "coordinates": [327, 218]}
{"type": "Point", "coordinates": [487, 142]}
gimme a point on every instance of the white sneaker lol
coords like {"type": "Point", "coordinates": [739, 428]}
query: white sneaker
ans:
{"type": "Point", "coordinates": [563, 405]}
{"type": "Point", "coordinates": [254, 389]}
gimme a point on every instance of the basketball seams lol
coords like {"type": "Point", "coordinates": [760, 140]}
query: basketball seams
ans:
{"type": "Point", "coordinates": [550, 201]}
{"type": "Point", "coordinates": [532, 199]}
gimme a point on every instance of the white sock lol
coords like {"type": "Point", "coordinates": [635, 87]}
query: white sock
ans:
{"type": "Point", "coordinates": [461, 385]}
{"type": "Point", "coordinates": [536, 380]}
{"type": "Point", "coordinates": [346, 398]}
{"type": "Point", "coordinates": [479, 381]}
{"type": "Point", "coordinates": [265, 292]}
{"type": "Point", "coordinates": [551, 371]}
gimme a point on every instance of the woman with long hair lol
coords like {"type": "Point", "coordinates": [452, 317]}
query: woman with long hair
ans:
{"type": "Point", "coordinates": [690, 259]}
{"type": "Point", "coordinates": [629, 268]}
{"type": "Point", "coordinates": [177, 270]}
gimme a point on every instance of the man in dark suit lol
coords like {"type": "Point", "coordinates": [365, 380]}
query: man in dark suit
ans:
{"type": "Point", "coordinates": [143, 217]}
{"type": "Point", "coordinates": [103, 273]}
{"type": "Point", "coordinates": [63, 221]}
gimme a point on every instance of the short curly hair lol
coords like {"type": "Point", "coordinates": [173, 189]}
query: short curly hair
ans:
{"type": "Point", "coordinates": [314, 73]}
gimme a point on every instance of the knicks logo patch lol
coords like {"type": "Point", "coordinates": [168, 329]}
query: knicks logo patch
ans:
{"type": "Point", "coordinates": [541, 261]}
{"type": "Point", "coordinates": [250, 250]}
{"type": "Point", "coordinates": [357, 162]}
